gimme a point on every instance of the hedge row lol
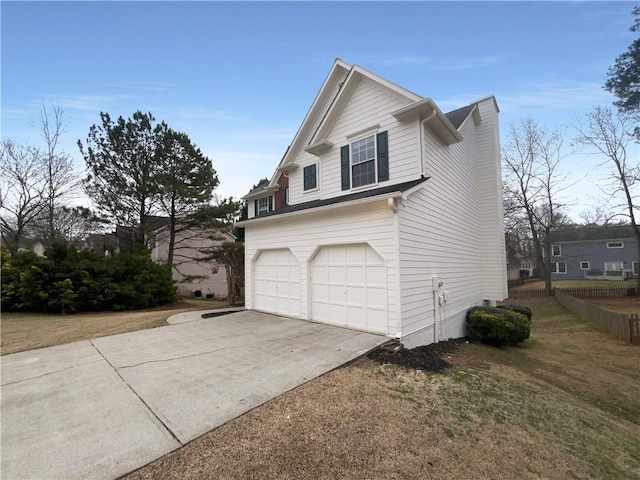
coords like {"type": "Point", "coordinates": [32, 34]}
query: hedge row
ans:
{"type": "Point", "coordinates": [66, 280]}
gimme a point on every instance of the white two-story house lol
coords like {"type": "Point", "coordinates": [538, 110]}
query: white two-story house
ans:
{"type": "Point", "coordinates": [384, 215]}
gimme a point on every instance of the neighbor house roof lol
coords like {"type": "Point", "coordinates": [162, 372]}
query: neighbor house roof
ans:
{"type": "Point", "coordinates": [615, 232]}
{"type": "Point", "coordinates": [399, 187]}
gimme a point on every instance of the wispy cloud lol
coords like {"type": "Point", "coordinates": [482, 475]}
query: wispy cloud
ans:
{"type": "Point", "coordinates": [471, 63]}
{"type": "Point", "coordinates": [14, 112]}
{"type": "Point", "coordinates": [198, 113]}
{"type": "Point", "coordinates": [554, 95]}
{"type": "Point", "coordinates": [384, 59]}
{"type": "Point", "coordinates": [84, 102]}
{"type": "Point", "coordinates": [144, 86]}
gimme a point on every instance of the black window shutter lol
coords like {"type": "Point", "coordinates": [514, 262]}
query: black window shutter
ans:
{"type": "Point", "coordinates": [255, 208]}
{"type": "Point", "coordinates": [344, 167]}
{"type": "Point", "coordinates": [383, 156]}
{"type": "Point", "coordinates": [270, 203]}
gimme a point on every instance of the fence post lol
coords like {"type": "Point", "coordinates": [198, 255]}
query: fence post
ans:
{"type": "Point", "coordinates": [634, 329]}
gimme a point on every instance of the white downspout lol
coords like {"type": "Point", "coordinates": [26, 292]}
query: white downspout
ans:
{"type": "Point", "coordinates": [422, 122]}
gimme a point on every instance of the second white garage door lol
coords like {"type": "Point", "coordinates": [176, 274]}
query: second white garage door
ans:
{"type": "Point", "coordinates": [349, 287]}
{"type": "Point", "coordinates": [277, 282]}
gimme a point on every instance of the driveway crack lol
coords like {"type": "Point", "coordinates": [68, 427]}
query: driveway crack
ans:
{"type": "Point", "coordinates": [50, 373]}
{"type": "Point", "coordinates": [136, 394]}
{"type": "Point", "coordinates": [180, 357]}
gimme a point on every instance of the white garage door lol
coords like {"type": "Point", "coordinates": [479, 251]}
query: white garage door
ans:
{"type": "Point", "coordinates": [349, 287]}
{"type": "Point", "coordinates": [276, 283]}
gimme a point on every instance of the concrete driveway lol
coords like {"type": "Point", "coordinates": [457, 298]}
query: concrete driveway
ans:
{"type": "Point", "coordinates": [104, 407]}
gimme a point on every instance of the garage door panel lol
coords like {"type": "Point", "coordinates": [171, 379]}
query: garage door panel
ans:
{"type": "Point", "coordinates": [349, 287]}
{"type": "Point", "coordinates": [356, 274]}
{"type": "Point", "coordinates": [277, 282]}
{"type": "Point", "coordinates": [356, 295]}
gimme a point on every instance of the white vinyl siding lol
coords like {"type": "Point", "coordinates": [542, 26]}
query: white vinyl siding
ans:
{"type": "Point", "coordinates": [371, 224]}
{"type": "Point", "coordinates": [368, 105]}
{"type": "Point", "coordinates": [451, 228]}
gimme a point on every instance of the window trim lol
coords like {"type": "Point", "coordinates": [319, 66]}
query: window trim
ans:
{"type": "Point", "coordinates": [635, 268]}
{"type": "Point", "coordinates": [317, 174]}
{"type": "Point", "coordinates": [260, 210]}
{"type": "Point", "coordinates": [617, 244]}
{"type": "Point", "coordinates": [372, 135]}
{"type": "Point", "coordinates": [553, 247]}
{"type": "Point", "coordinates": [556, 269]}
{"type": "Point", "coordinates": [588, 267]}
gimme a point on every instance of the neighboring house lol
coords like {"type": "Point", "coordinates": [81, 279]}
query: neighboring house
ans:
{"type": "Point", "coordinates": [608, 253]}
{"type": "Point", "coordinates": [190, 273]}
{"type": "Point", "coordinates": [384, 215]}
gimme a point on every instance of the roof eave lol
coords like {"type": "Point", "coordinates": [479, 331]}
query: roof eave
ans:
{"type": "Point", "coordinates": [324, 208]}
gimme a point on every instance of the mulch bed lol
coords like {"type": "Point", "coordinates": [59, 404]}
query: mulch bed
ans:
{"type": "Point", "coordinates": [432, 358]}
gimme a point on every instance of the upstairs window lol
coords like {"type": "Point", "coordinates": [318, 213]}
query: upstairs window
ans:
{"type": "Point", "coordinates": [584, 266]}
{"type": "Point", "coordinates": [310, 177]}
{"type": "Point", "coordinates": [365, 161]}
{"type": "Point", "coordinates": [263, 205]}
{"type": "Point", "coordinates": [556, 251]}
{"type": "Point", "coordinates": [615, 245]}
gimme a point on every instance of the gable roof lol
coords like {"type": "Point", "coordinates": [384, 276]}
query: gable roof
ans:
{"type": "Point", "coordinates": [354, 74]}
{"type": "Point", "coordinates": [584, 234]}
{"type": "Point", "coordinates": [387, 189]}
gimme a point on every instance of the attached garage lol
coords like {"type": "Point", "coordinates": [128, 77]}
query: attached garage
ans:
{"type": "Point", "coordinates": [277, 282]}
{"type": "Point", "coordinates": [349, 287]}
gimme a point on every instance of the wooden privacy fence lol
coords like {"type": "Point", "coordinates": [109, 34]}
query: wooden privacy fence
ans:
{"type": "Point", "coordinates": [621, 325]}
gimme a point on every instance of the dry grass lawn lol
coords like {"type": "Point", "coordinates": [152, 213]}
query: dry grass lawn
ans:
{"type": "Point", "coordinates": [620, 304]}
{"type": "Point", "coordinates": [565, 405]}
{"type": "Point", "coordinates": [26, 331]}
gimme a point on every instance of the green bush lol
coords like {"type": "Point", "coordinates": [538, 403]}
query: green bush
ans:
{"type": "Point", "coordinates": [66, 280]}
{"type": "Point", "coordinates": [498, 326]}
{"type": "Point", "coordinates": [519, 309]}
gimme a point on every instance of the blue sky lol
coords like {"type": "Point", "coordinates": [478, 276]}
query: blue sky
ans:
{"type": "Point", "coordinates": [239, 77]}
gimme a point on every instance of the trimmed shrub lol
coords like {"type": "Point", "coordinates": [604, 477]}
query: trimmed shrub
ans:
{"type": "Point", "coordinates": [498, 326]}
{"type": "Point", "coordinates": [526, 311]}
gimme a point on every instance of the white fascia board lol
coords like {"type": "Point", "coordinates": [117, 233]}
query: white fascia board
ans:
{"type": "Point", "coordinates": [338, 64]}
{"type": "Point", "coordinates": [488, 98]}
{"type": "Point", "coordinates": [265, 192]}
{"type": "Point", "coordinates": [421, 109]}
{"type": "Point", "coordinates": [324, 208]}
{"type": "Point", "coordinates": [318, 148]}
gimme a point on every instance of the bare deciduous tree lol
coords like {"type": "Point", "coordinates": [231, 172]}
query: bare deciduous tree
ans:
{"type": "Point", "coordinates": [611, 135]}
{"type": "Point", "coordinates": [60, 177]}
{"type": "Point", "coordinates": [22, 191]}
{"type": "Point", "coordinates": [532, 155]}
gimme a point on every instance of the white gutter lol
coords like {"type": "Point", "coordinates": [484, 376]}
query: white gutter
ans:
{"type": "Point", "coordinates": [324, 208]}
{"type": "Point", "coordinates": [421, 123]}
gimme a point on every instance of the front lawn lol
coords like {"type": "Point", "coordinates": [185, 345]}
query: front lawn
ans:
{"type": "Point", "coordinates": [26, 331]}
{"type": "Point", "coordinates": [565, 405]}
